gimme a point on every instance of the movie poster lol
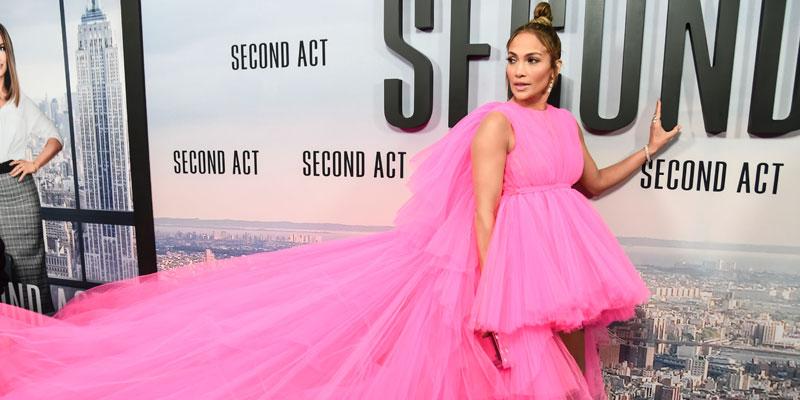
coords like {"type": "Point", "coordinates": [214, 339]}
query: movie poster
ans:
{"type": "Point", "coordinates": [70, 63]}
{"type": "Point", "coordinates": [269, 129]}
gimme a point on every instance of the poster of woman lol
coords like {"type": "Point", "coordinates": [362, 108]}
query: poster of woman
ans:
{"type": "Point", "coordinates": [20, 207]}
{"type": "Point", "coordinates": [64, 89]}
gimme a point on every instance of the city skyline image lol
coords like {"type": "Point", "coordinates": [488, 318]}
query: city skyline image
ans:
{"type": "Point", "coordinates": [103, 163]}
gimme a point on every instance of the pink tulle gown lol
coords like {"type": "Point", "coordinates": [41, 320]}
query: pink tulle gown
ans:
{"type": "Point", "coordinates": [390, 315]}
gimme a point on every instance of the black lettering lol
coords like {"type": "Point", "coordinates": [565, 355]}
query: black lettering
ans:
{"type": "Point", "coordinates": [349, 166]}
{"type": "Point", "coordinates": [334, 163]}
{"type": "Point", "coordinates": [176, 155]}
{"type": "Point", "coordinates": [237, 167]}
{"type": "Point", "coordinates": [719, 176]}
{"type": "Point", "coordinates": [758, 186]}
{"type": "Point", "coordinates": [201, 162]}
{"type": "Point", "coordinates": [245, 162]}
{"type": "Point", "coordinates": [324, 42]}
{"type": "Point", "coordinates": [306, 166]}
{"type": "Point", "coordinates": [703, 176]}
{"type": "Point", "coordinates": [744, 178]}
{"type": "Point", "coordinates": [645, 182]}
{"type": "Point", "coordinates": [631, 66]}
{"type": "Point", "coordinates": [777, 172]}
{"type": "Point", "coordinates": [672, 183]}
{"type": "Point", "coordinates": [255, 162]}
{"type": "Point", "coordinates": [243, 57]}
{"type": "Point", "coordinates": [235, 56]}
{"type": "Point", "coordinates": [423, 69]}
{"type": "Point", "coordinates": [263, 56]}
{"type": "Point", "coordinates": [326, 163]}
{"type": "Point", "coordinates": [212, 165]}
{"type": "Point", "coordinates": [765, 76]}
{"type": "Point", "coordinates": [312, 47]}
{"type": "Point", "coordinates": [192, 162]}
{"type": "Point", "coordinates": [274, 54]}
{"type": "Point", "coordinates": [461, 53]}
{"type": "Point", "coordinates": [713, 79]}
{"type": "Point", "coordinates": [378, 166]}
{"type": "Point", "coordinates": [253, 48]}
{"type": "Point", "coordinates": [302, 61]}
{"type": "Point", "coordinates": [284, 54]}
{"type": "Point", "coordinates": [659, 172]}
{"type": "Point", "coordinates": [687, 179]}
{"type": "Point", "coordinates": [390, 159]}
{"type": "Point", "coordinates": [184, 159]}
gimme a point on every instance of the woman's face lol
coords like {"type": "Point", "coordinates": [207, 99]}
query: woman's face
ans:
{"type": "Point", "coordinates": [3, 58]}
{"type": "Point", "coordinates": [529, 69]}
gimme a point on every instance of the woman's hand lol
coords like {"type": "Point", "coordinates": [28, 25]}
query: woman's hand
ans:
{"type": "Point", "coordinates": [23, 167]}
{"type": "Point", "coordinates": [658, 136]}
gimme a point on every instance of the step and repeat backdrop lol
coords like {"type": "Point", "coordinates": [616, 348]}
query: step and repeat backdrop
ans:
{"type": "Point", "coordinates": [274, 125]}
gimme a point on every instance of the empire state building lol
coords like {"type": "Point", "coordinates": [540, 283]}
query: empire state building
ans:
{"type": "Point", "coordinates": [101, 135]}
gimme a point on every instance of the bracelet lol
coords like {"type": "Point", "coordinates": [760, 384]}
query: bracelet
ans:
{"type": "Point", "coordinates": [647, 153]}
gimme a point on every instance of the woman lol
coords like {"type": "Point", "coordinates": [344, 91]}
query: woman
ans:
{"type": "Point", "coordinates": [493, 239]}
{"type": "Point", "coordinates": [573, 290]}
{"type": "Point", "coordinates": [20, 217]}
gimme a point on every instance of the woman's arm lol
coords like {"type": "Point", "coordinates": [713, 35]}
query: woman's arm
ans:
{"type": "Point", "coordinates": [25, 167]}
{"type": "Point", "coordinates": [596, 181]}
{"type": "Point", "coordinates": [490, 145]}
{"type": "Point", "coordinates": [39, 126]}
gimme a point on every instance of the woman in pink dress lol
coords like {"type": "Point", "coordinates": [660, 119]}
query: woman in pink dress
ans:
{"type": "Point", "coordinates": [493, 239]}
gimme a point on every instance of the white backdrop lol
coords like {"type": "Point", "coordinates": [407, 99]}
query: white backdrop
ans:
{"type": "Point", "coordinates": [739, 253]}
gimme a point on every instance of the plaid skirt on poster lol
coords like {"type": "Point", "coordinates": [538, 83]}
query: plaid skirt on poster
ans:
{"type": "Point", "coordinates": [21, 230]}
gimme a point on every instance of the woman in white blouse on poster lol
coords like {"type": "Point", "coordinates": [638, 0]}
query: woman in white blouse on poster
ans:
{"type": "Point", "coordinates": [20, 211]}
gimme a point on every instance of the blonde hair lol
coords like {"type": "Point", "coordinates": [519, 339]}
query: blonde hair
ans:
{"type": "Point", "coordinates": [542, 26]}
{"type": "Point", "coordinates": [10, 80]}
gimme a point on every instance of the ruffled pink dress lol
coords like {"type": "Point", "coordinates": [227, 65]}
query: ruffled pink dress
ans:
{"type": "Point", "coordinates": [390, 315]}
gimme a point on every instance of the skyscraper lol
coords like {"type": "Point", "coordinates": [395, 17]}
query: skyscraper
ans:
{"type": "Point", "coordinates": [103, 163]}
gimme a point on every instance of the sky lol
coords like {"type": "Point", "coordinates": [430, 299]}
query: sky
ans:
{"type": "Point", "coordinates": [35, 28]}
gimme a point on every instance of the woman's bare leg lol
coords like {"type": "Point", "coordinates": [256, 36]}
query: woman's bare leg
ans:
{"type": "Point", "coordinates": [575, 342]}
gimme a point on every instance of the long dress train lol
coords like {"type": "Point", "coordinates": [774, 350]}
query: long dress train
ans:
{"type": "Point", "coordinates": [390, 315]}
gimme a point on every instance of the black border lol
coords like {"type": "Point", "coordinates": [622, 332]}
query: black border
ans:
{"type": "Point", "coordinates": [131, 12]}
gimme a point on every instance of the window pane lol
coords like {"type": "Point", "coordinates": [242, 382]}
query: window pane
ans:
{"type": "Point", "coordinates": [56, 180]}
{"type": "Point", "coordinates": [98, 99]}
{"type": "Point", "coordinates": [109, 252]}
{"type": "Point", "coordinates": [61, 250]}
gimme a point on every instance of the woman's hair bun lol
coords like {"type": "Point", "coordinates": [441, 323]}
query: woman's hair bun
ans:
{"type": "Point", "coordinates": [542, 14]}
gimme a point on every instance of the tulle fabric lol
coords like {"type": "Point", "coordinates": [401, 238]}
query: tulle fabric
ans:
{"type": "Point", "coordinates": [568, 273]}
{"type": "Point", "coordinates": [390, 315]}
{"type": "Point", "coordinates": [342, 319]}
